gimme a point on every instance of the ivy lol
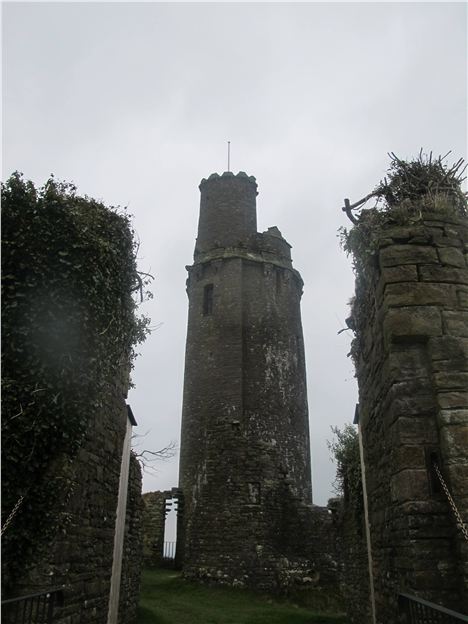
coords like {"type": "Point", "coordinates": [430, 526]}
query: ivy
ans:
{"type": "Point", "coordinates": [345, 451]}
{"type": "Point", "coordinates": [69, 332]}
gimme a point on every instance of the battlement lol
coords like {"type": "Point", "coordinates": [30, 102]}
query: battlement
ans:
{"type": "Point", "coordinates": [241, 175]}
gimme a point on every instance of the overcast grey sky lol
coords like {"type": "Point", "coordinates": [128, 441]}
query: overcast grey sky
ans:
{"type": "Point", "coordinates": [134, 102]}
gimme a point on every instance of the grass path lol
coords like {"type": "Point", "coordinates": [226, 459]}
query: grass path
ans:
{"type": "Point", "coordinates": [167, 599]}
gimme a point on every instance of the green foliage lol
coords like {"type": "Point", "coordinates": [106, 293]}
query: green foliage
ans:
{"type": "Point", "coordinates": [69, 330]}
{"type": "Point", "coordinates": [410, 192]}
{"type": "Point", "coordinates": [166, 598]}
{"type": "Point", "coordinates": [345, 451]}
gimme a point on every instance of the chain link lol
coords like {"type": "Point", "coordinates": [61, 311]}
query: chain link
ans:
{"type": "Point", "coordinates": [12, 514]}
{"type": "Point", "coordinates": [459, 520]}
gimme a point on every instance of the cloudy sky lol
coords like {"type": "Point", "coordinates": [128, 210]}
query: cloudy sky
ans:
{"type": "Point", "coordinates": [135, 102]}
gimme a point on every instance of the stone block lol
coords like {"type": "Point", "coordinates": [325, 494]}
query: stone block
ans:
{"type": "Point", "coordinates": [412, 321]}
{"type": "Point", "coordinates": [454, 441]}
{"type": "Point", "coordinates": [451, 380]}
{"type": "Point", "coordinates": [401, 273]}
{"type": "Point", "coordinates": [455, 323]}
{"type": "Point", "coordinates": [450, 256]}
{"type": "Point", "coordinates": [409, 363]}
{"type": "Point", "coordinates": [463, 298]}
{"type": "Point", "coordinates": [408, 456]}
{"type": "Point", "coordinates": [453, 417]}
{"type": "Point", "coordinates": [440, 240]}
{"type": "Point", "coordinates": [449, 275]}
{"type": "Point", "coordinates": [407, 254]}
{"type": "Point", "coordinates": [411, 484]}
{"type": "Point", "coordinates": [448, 348]}
{"type": "Point", "coordinates": [413, 431]}
{"type": "Point", "coordinates": [402, 234]}
{"type": "Point", "coordinates": [411, 293]}
{"type": "Point", "coordinates": [456, 476]}
{"type": "Point", "coordinates": [451, 400]}
{"type": "Point", "coordinates": [416, 404]}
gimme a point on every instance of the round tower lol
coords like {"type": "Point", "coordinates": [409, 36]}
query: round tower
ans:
{"type": "Point", "coordinates": [245, 458]}
{"type": "Point", "coordinates": [226, 200]}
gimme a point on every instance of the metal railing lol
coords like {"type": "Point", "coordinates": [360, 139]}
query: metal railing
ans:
{"type": "Point", "coordinates": [32, 609]}
{"type": "Point", "coordinates": [169, 550]}
{"type": "Point", "coordinates": [418, 611]}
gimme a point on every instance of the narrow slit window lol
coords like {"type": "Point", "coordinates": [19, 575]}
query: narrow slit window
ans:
{"type": "Point", "coordinates": [208, 299]}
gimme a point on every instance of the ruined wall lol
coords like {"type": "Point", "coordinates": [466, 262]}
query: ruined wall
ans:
{"type": "Point", "coordinates": [412, 368]}
{"type": "Point", "coordinates": [133, 547]}
{"type": "Point", "coordinates": [352, 561]}
{"type": "Point", "coordinates": [80, 557]}
{"type": "Point", "coordinates": [245, 459]}
{"type": "Point", "coordinates": [153, 526]}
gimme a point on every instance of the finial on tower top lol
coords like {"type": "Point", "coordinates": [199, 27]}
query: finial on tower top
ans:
{"type": "Point", "coordinates": [229, 155]}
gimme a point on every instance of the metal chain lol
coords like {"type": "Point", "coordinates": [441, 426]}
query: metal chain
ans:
{"type": "Point", "coordinates": [12, 514]}
{"type": "Point", "coordinates": [459, 520]}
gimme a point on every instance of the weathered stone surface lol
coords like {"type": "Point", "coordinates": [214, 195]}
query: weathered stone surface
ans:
{"type": "Point", "coordinates": [80, 558]}
{"type": "Point", "coordinates": [409, 456]}
{"type": "Point", "coordinates": [450, 256]}
{"type": "Point", "coordinates": [409, 363]}
{"type": "Point", "coordinates": [412, 321]}
{"type": "Point", "coordinates": [413, 392]}
{"type": "Point", "coordinates": [407, 254]}
{"type": "Point", "coordinates": [453, 417]}
{"type": "Point", "coordinates": [245, 458]}
{"type": "Point", "coordinates": [454, 440]}
{"type": "Point", "coordinates": [451, 400]}
{"type": "Point", "coordinates": [441, 240]}
{"type": "Point", "coordinates": [463, 298]}
{"type": "Point", "coordinates": [154, 518]}
{"type": "Point", "coordinates": [455, 322]}
{"type": "Point", "coordinates": [353, 562]}
{"type": "Point", "coordinates": [451, 380]}
{"type": "Point", "coordinates": [403, 273]}
{"type": "Point", "coordinates": [449, 275]}
{"type": "Point", "coordinates": [409, 294]}
{"type": "Point", "coordinates": [413, 430]}
{"type": "Point", "coordinates": [450, 348]}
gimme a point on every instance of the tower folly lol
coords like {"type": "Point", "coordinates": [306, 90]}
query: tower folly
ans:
{"type": "Point", "coordinates": [245, 456]}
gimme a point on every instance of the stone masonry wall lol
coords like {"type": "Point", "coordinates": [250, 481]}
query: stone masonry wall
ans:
{"type": "Point", "coordinates": [153, 526]}
{"type": "Point", "coordinates": [412, 369]}
{"type": "Point", "coordinates": [133, 547]}
{"type": "Point", "coordinates": [353, 567]}
{"type": "Point", "coordinates": [80, 558]}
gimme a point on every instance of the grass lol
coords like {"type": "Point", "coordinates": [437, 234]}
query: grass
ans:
{"type": "Point", "coordinates": [166, 598]}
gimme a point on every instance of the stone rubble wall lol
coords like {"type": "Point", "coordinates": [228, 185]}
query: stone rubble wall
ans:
{"type": "Point", "coordinates": [80, 558]}
{"type": "Point", "coordinates": [133, 548]}
{"type": "Point", "coordinates": [353, 567]}
{"type": "Point", "coordinates": [154, 518]}
{"type": "Point", "coordinates": [412, 370]}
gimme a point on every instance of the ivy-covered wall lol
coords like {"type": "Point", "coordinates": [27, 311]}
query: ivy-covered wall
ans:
{"type": "Point", "coordinates": [69, 329]}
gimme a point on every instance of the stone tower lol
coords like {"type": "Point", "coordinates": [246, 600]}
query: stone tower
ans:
{"type": "Point", "coordinates": [245, 460]}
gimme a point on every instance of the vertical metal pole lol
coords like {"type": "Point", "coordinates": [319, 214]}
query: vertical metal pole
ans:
{"type": "Point", "coordinates": [229, 156]}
